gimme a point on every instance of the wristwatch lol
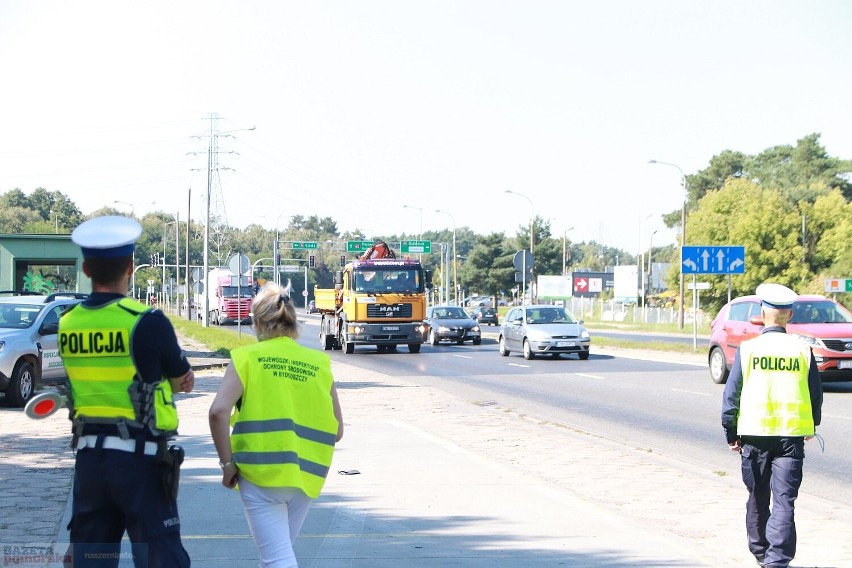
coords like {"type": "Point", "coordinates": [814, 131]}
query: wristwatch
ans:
{"type": "Point", "coordinates": [223, 465]}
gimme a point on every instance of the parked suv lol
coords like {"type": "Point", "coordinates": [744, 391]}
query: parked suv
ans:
{"type": "Point", "coordinates": [29, 353]}
{"type": "Point", "coordinates": [820, 322]}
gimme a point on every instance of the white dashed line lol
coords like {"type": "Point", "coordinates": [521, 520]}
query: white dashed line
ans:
{"type": "Point", "coordinates": [589, 376]}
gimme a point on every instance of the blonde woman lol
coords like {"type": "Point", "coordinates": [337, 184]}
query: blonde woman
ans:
{"type": "Point", "coordinates": [281, 400]}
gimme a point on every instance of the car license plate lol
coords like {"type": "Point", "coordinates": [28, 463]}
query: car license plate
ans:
{"type": "Point", "coordinates": [390, 328]}
{"type": "Point", "coordinates": [565, 344]}
{"type": "Point", "coordinates": [844, 364]}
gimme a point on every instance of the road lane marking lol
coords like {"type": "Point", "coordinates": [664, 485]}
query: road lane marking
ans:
{"type": "Point", "coordinates": [519, 365]}
{"type": "Point", "coordinates": [692, 392]}
{"type": "Point", "coordinates": [462, 356]}
{"type": "Point", "coordinates": [589, 376]}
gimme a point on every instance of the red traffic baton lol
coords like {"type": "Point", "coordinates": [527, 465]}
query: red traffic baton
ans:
{"type": "Point", "coordinates": [44, 404]}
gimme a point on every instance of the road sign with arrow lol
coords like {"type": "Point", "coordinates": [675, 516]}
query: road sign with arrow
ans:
{"type": "Point", "coordinates": [713, 260]}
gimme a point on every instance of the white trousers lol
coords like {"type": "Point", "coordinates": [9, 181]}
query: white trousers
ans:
{"type": "Point", "coordinates": [275, 516]}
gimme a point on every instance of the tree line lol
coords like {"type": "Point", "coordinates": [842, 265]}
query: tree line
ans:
{"type": "Point", "coordinates": [789, 206]}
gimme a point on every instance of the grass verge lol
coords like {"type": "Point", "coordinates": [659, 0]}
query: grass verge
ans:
{"type": "Point", "coordinates": [218, 340]}
{"type": "Point", "coordinates": [643, 345]}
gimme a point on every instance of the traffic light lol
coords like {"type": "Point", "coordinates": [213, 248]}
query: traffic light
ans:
{"type": "Point", "coordinates": [342, 260]}
{"type": "Point", "coordinates": [312, 261]}
{"type": "Point", "coordinates": [278, 258]}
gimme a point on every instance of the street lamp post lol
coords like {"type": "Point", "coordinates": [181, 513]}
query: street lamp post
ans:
{"type": "Point", "coordinates": [650, 265]}
{"type": "Point", "coordinates": [532, 218]}
{"type": "Point", "coordinates": [532, 239]}
{"type": "Point", "coordinates": [455, 277]}
{"type": "Point", "coordinates": [565, 250]}
{"type": "Point", "coordinates": [682, 236]}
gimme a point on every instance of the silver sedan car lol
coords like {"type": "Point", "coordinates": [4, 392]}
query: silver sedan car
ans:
{"type": "Point", "coordinates": [543, 330]}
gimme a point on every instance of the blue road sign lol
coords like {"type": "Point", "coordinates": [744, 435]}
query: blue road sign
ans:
{"type": "Point", "coordinates": [712, 260]}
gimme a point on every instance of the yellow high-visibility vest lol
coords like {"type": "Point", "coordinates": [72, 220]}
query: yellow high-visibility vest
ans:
{"type": "Point", "coordinates": [285, 429]}
{"type": "Point", "coordinates": [775, 398]}
{"type": "Point", "coordinates": [95, 346]}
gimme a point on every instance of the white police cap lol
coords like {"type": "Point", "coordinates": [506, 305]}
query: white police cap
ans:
{"type": "Point", "coordinates": [109, 236]}
{"type": "Point", "coordinates": [776, 296]}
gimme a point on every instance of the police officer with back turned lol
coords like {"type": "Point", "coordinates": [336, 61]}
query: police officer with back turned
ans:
{"type": "Point", "coordinates": [772, 404]}
{"type": "Point", "coordinates": [123, 362]}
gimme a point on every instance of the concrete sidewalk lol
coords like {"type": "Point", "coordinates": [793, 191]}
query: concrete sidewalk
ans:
{"type": "Point", "coordinates": [444, 481]}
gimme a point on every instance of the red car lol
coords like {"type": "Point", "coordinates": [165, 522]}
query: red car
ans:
{"type": "Point", "coordinates": [820, 322]}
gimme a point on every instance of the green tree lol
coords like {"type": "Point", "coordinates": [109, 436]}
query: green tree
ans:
{"type": "Point", "coordinates": [488, 268]}
{"type": "Point", "coordinates": [17, 219]}
{"type": "Point", "coordinates": [761, 218]}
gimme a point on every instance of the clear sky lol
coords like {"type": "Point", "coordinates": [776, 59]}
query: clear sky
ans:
{"type": "Point", "coordinates": [361, 107]}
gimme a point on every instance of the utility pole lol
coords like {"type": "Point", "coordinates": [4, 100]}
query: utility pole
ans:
{"type": "Point", "coordinates": [214, 191]}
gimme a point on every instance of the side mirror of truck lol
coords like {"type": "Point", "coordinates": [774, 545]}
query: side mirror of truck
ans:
{"type": "Point", "coordinates": [338, 280]}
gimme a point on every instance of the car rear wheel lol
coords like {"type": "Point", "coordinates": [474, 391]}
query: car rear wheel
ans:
{"type": "Point", "coordinates": [433, 338]}
{"type": "Point", "coordinates": [528, 352]}
{"type": "Point", "coordinates": [20, 388]}
{"type": "Point", "coordinates": [502, 345]}
{"type": "Point", "coordinates": [414, 348]}
{"type": "Point", "coordinates": [718, 366]}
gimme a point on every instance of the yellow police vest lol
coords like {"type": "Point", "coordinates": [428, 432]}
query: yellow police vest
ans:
{"type": "Point", "coordinates": [285, 429]}
{"type": "Point", "coordinates": [775, 398]}
{"type": "Point", "coordinates": [95, 346]}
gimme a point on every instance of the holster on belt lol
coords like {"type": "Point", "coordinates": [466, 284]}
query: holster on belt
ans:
{"type": "Point", "coordinates": [169, 460]}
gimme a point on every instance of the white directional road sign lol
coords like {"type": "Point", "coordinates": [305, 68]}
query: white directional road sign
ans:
{"type": "Point", "coordinates": [713, 260]}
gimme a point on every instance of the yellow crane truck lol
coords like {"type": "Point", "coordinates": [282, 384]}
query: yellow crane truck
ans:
{"type": "Point", "coordinates": [377, 300]}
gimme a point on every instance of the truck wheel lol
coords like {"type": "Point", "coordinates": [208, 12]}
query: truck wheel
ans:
{"type": "Point", "coordinates": [414, 348]}
{"type": "Point", "coordinates": [348, 346]}
{"type": "Point", "coordinates": [20, 388]}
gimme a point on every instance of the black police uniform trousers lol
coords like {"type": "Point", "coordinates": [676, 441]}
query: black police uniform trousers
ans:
{"type": "Point", "coordinates": [772, 470]}
{"type": "Point", "coordinates": [116, 491]}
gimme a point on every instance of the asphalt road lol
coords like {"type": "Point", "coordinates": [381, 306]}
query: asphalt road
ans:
{"type": "Point", "coordinates": [664, 403]}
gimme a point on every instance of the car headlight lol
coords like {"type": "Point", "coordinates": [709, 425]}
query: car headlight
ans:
{"type": "Point", "coordinates": [475, 328]}
{"type": "Point", "coordinates": [810, 341]}
{"type": "Point", "coordinates": [585, 335]}
{"type": "Point", "coordinates": [2, 343]}
{"type": "Point", "coordinates": [443, 329]}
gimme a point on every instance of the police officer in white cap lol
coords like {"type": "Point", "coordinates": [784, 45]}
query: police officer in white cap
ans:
{"type": "Point", "coordinates": [123, 362]}
{"type": "Point", "coordinates": [772, 404]}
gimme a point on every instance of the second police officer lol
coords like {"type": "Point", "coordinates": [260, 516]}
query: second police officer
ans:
{"type": "Point", "coordinates": [772, 404]}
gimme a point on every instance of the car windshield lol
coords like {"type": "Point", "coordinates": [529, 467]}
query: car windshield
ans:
{"type": "Point", "coordinates": [449, 313]}
{"type": "Point", "coordinates": [549, 315]}
{"type": "Point", "coordinates": [390, 280]}
{"type": "Point", "coordinates": [18, 316]}
{"type": "Point", "coordinates": [232, 291]}
{"type": "Point", "coordinates": [820, 311]}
